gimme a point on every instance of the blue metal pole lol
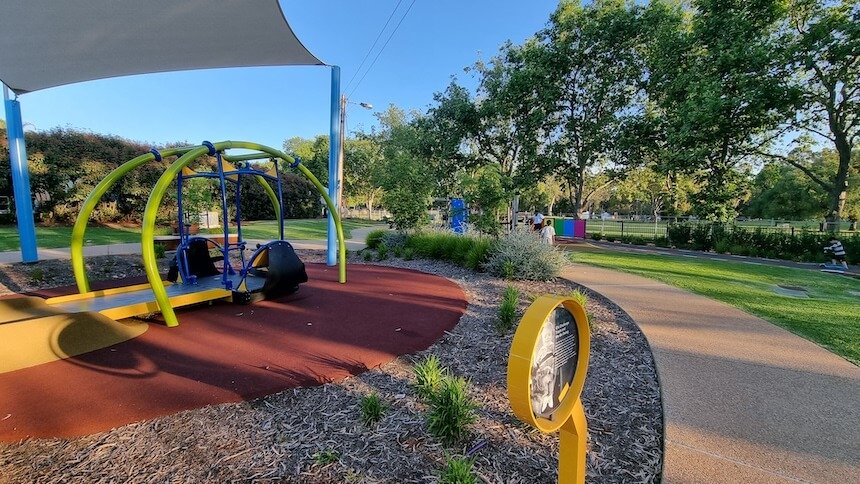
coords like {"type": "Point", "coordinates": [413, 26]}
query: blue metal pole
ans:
{"type": "Point", "coordinates": [333, 162]}
{"type": "Point", "coordinates": [20, 178]}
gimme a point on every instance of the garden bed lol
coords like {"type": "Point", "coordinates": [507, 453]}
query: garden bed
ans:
{"type": "Point", "coordinates": [316, 434]}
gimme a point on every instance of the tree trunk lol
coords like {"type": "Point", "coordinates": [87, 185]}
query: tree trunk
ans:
{"type": "Point", "coordinates": [838, 193]}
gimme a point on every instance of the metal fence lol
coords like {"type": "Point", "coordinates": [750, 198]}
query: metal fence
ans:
{"type": "Point", "coordinates": [653, 230]}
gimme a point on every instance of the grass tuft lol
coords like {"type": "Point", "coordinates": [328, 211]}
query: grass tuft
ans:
{"type": "Point", "coordinates": [372, 408]}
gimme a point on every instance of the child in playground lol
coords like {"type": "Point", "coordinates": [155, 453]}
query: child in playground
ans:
{"type": "Point", "coordinates": [837, 252]}
{"type": "Point", "coordinates": [547, 232]}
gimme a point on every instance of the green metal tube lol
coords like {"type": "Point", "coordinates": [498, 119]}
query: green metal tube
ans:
{"type": "Point", "coordinates": [248, 157]}
{"type": "Point", "coordinates": [79, 230]}
{"type": "Point", "coordinates": [147, 235]}
{"type": "Point", "coordinates": [341, 243]}
{"type": "Point", "coordinates": [157, 195]}
{"type": "Point", "coordinates": [272, 195]}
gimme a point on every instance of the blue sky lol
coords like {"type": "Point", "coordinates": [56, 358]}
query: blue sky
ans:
{"type": "Point", "coordinates": [436, 40]}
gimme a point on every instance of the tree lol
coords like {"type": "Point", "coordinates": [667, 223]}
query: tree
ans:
{"type": "Point", "coordinates": [362, 157]}
{"type": "Point", "coordinates": [826, 53]}
{"type": "Point", "coordinates": [592, 67]}
{"type": "Point", "coordinates": [781, 191]}
{"type": "Point", "coordinates": [486, 191]}
{"type": "Point", "coordinates": [313, 153]}
{"type": "Point", "coordinates": [719, 79]}
{"type": "Point", "coordinates": [406, 179]}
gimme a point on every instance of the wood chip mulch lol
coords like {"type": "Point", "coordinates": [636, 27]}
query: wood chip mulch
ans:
{"type": "Point", "coordinates": [316, 434]}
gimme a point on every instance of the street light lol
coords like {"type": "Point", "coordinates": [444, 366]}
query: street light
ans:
{"type": "Point", "coordinates": [343, 102]}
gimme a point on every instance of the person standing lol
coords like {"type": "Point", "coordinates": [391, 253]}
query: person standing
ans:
{"type": "Point", "coordinates": [537, 221]}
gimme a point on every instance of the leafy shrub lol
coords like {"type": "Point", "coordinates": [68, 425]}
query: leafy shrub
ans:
{"type": "Point", "coordinates": [382, 252]}
{"type": "Point", "coordinates": [159, 251]}
{"type": "Point", "coordinates": [465, 250]}
{"type": "Point", "coordinates": [394, 240]}
{"type": "Point", "coordinates": [372, 408]}
{"type": "Point", "coordinates": [429, 374]}
{"type": "Point", "coordinates": [451, 410]}
{"type": "Point", "coordinates": [662, 241]}
{"type": "Point", "coordinates": [679, 234]}
{"type": "Point", "coordinates": [408, 253]}
{"type": "Point", "coordinates": [367, 255]}
{"type": "Point", "coordinates": [508, 309]}
{"type": "Point", "coordinates": [375, 238]}
{"type": "Point", "coordinates": [597, 236]}
{"type": "Point", "coordinates": [458, 471]}
{"type": "Point", "coordinates": [700, 237]}
{"type": "Point", "coordinates": [106, 212]}
{"type": "Point", "coordinates": [478, 253]}
{"type": "Point", "coordinates": [722, 245]}
{"type": "Point", "coordinates": [531, 259]}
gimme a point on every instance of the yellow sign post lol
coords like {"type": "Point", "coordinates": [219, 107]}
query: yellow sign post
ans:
{"type": "Point", "coordinates": [546, 373]}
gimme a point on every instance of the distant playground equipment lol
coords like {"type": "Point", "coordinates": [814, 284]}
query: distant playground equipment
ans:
{"type": "Point", "coordinates": [569, 227]}
{"type": "Point", "coordinates": [270, 270]}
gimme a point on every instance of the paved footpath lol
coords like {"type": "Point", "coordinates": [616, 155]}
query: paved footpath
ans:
{"type": "Point", "coordinates": [745, 401]}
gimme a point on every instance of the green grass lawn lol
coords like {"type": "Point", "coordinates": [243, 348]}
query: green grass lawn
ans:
{"type": "Point", "coordinates": [829, 317]}
{"type": "Point", "coordinates": [53, 237]}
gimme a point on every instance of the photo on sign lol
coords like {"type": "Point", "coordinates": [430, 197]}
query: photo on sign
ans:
{"type": "Point", "coordinates": [554, 364]}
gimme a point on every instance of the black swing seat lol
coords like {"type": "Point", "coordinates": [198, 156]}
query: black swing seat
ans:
{"type": "Point", "coordinates": [283, 272]}
{"type": "Point", "coordinates": [201, 263]}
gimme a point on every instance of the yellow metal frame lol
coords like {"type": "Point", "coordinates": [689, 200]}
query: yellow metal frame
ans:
{"type": "Point", "coordinates": [569, 417]}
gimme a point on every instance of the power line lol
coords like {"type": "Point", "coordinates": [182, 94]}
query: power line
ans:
{"type": "Point", "coordinates": [374, 44]}
{"type": "Point", "coordinates": [383, 48]}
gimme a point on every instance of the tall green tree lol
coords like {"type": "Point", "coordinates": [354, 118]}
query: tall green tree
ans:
{"type": "Point", "coordinates": [718, 75]}
{"type": "Point", "coordinates": [825, 51]}
{"type": "Point", "coordinates": [592, 72]}
{"type": "Point", "coordinates": [406, 179]}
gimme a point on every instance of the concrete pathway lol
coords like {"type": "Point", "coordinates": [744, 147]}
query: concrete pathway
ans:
{"type": "Point", "coordinates": [356, 242]}
{"type": "Point", "coordinates": [745, 400]}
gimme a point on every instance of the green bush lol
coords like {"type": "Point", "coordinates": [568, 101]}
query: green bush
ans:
{"type": "Point", "coordinates": [597, 236]}
{"type": "Point", "coordinates": [451, 410]}
{"type": "Point", "coordinates": [464, 250]}
{"type": "Point", "coordinates": [722, 245]}
{"type": "Point", "coordinates": [478, 253]}
{"type": "Point", "coordinates": [530, 258]}
{"type": "Point", "coordinates": [429, 374]}
{"type": "Point", "coordinates": [662, 241]}
{"type": "Point", "coordinates": [375, 238]}
{"type": "Point", "coordinates": [159, 251]}
{"type": "Point", "coordinates": [394, 240]}
{"type": "Point", "coordinates": [700, 237]}
{"type": "Point", "coordinates": [457, 471]}
{"type": "Point", "coordinates": [679, 234]}
{"type": "Point", "coordinates": [372, 408]}
{"type": "Point", "coordinates": [508, 309]}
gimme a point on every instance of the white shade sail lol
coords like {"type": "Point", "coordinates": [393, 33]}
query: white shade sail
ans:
{"type": "Point", "coordinates": [47, 43]}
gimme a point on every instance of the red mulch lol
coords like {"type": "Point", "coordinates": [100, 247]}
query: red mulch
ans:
{"type": "Point", "coordinates": [228, 353]}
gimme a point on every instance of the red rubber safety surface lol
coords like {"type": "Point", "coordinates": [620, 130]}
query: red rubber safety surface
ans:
{"type": "Point", "coordinates": [228, 353]}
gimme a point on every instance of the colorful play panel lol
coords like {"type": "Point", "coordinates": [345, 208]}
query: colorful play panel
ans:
{"type": "Point", "coordinates": [228, 353]}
